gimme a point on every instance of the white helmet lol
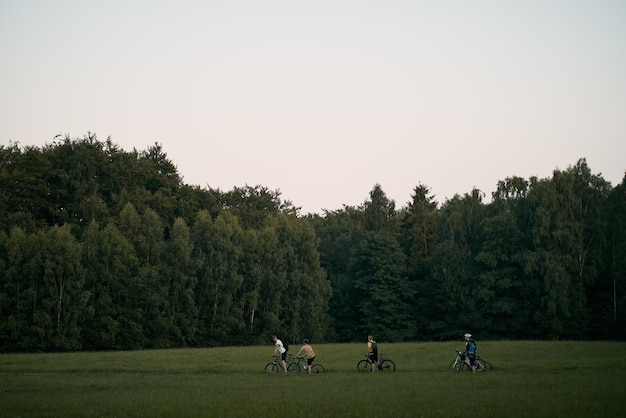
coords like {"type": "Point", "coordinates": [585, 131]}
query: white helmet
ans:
{"type": "Point", "coordinates": [468, 335]}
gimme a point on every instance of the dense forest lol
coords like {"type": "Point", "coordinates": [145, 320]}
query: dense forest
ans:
{"type": "Point", "coordinates": [105, 249]}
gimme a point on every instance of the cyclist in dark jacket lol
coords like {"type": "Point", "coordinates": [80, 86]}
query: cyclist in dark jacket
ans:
{"type": "Point", "coordinates": [470, 352]}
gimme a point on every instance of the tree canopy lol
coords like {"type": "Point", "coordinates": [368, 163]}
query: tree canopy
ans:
{"type": "Point", "coordinates": [104, 249]}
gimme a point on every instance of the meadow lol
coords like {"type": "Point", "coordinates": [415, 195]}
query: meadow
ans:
{"type": "Point", "coordinates": [530, 379]}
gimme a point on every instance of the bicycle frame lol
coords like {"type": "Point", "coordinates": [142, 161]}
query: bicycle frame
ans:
{"type": "Point", "coordinates": [457, 362]}
{"type": "Point", "coordinates": [275, 366]}
{"type": "Point", "coordinates": [384, 364]}
{"type": "Point", "coordinates": [461, 362]}
{"type": "Point", "coordinates": [301, 364]}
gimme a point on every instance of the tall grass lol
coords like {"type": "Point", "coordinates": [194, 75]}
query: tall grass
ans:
{"type": "Point", "coordinates": [530, 378]}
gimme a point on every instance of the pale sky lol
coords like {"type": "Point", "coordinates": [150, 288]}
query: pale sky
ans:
{"type": "Point", "coordinates": [324, 99]}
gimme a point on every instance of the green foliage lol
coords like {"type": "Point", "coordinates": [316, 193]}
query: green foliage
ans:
{"type": "Point", "coordinates": [339, 235]}
{"type": "Point", "coordinates": [607, 296]}
{"type": "Point", "coordinates": [305, 299]}
{"type": "Point", "coordinates": [24, 188]}
{"type": "Point", "coordinates": [181, 285]}
{"type": "Point", "coordinates": [106, 249]}
{"type": "Point", "coordinates": [383, 290]}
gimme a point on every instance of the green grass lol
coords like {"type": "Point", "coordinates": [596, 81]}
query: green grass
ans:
{"type": "Point", "coordinates": [530, 378]}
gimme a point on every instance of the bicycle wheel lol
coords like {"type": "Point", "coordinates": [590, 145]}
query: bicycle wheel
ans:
{"type": "Point", "coordinates": [454, 363]}
{"type": "Point", "coordinates": [483, 365]}
{"type": "Point", "coordinates": [317, 369]}
{"type": "Point", "coordinates": [272, 368]}
{"type": "Point", "coordinates": [480, 365]}
{"type": "Point", "coordinates": [387, 366]}
{"type": "Point", "coordinates": [364, 366]}
{"type": "Point", "coordinates": [461, 366]}
{"type": "Point", "coordinates": [293, 367]}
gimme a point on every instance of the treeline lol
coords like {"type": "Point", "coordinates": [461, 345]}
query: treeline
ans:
{"type": "Point", "coordinates": [545, 259]}
{"type": "Point", "coordinates": [104, 249]}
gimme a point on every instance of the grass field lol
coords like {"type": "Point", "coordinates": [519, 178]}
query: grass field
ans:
{"type": "Point", "coordinates": [530, 379]}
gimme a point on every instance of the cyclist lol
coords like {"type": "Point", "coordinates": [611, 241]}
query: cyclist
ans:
{"type": "Point", "coordinates": [280, 348]}
{"type": "Point", "coordinates": [470, 351]}
{"type": "Point", "coordinates": [372, 352]}
{"type": "Point", "coordinates": [308, 352]}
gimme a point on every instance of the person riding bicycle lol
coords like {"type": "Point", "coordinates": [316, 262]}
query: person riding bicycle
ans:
{"type": "Point", "coordinates": [308, 352]}
{"type": "Point", "coordinates": [372, 352]}
{"type": "Point", "coordinates": [280, 348]}
{"type": "Point", "coordinates": [470, 351]}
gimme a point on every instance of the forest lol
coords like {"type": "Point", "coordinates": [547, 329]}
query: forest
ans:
{"type": "Point", "coordinates": [107, 249]}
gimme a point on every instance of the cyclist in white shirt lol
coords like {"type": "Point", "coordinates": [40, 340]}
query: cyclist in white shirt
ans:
{"type": "Point", "coordinates": [280, 348]}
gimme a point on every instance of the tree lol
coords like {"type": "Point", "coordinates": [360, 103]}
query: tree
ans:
{"type": "Point", "coordinates": [218, 249]}
{"type": "Point", "coordinates": [591, 194]}
{"type": "Point", "coordinates": [566, 247]}
{"type": "Point", "coordinates": [339, 233]}
{"type": "Point", "coordinates": [607, 298]}
{"type": "Point", "coordinates": [251, 205]}
{"type": "Point", "coordinates": [384, 293]}
{"type": "Point", "coordinates": [271, 318]}
{"type": "Point", "coordinates": [75, 178]}
{"type": "Point", "coordinates": [24, 188]}
{"type": "Point", "coordinates": [379, 212]}
{"type": "Point", "coordinates": [380, 272]}
{"type": "Point", "coordinates": [150, 246]}
{"type": "Point", "coordinates": [503, 294]}
{"type": "Point", "coordinates": [305, 300]}
{"type": "Point", "coordinates": [225, 280]}
{"type": "Point", "coordinates": [132, 319]}
{"type": "Point", "coordinates": [63, 298]}
{"type": "Point", "coordinates": [419, 240]}
{"type": "Point", "coordinates": [23, 266]}
{"type": "Point", "coordinates": [455, 284]}
{"type": "Point", "coordinates": [252, 273]}
{"type": "Point", "coordinates": [111, 277]}
{"type": "Point", "coordinates": [180, 275]}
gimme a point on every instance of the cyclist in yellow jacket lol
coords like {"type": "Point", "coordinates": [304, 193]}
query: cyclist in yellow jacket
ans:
{"type": "Point", "coordinates": [372, 352]}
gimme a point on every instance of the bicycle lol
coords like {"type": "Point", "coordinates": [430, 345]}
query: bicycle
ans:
{"type": "Point", "coordinates": [384, 364]}
{"type": "Point", "coordinates": [459, 363]}
{"type": "Point", "coordinates": [276, 365]}
{"type": "Point", "coordinates": [301, 365]}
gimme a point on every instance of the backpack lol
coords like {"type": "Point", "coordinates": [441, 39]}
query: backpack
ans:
{"type": "Point", "coordinates": [374, 347]}
{"type": "Point", "coordinates": [286, 346]}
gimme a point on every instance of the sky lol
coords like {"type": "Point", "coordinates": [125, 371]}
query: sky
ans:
{"type": "Point", "coordinates": [324, 99]}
